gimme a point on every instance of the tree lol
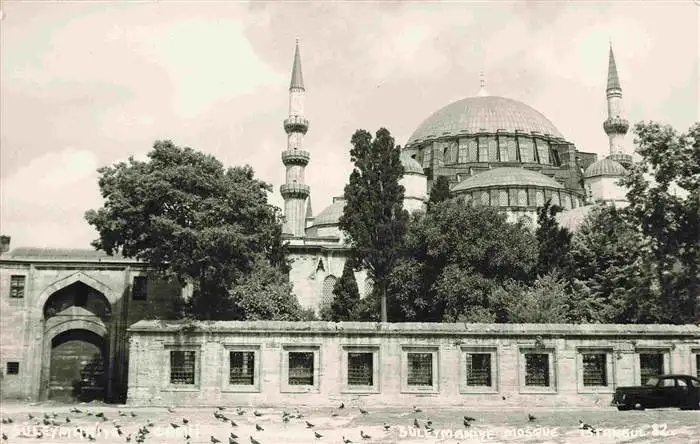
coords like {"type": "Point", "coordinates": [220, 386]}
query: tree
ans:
{"type": "Point", "coordinates": [374, 219]}
{"type": "Point", "coordinates": [440, 191]}
{"type": "Point", "coordinates": [553, 241]}
{"type": "Point", "coordinates": [346, 297]}
{"type": "Point", "coordinates": [664, 202]}
{"type": "Point", "coordinates": [190, 218]}
{"type": "Point", "coordinates": [545, 301]}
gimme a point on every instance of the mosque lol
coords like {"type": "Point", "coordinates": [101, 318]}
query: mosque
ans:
{"type": "Point", "coordinates": [493, 150]}
{"type": "Point", "coordinates": [64, 313]}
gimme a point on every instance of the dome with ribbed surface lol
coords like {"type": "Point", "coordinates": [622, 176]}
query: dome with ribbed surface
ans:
{"type": "Point", "coordinates": [410, 165]}
{"type": "Point", "coordinates": [331, 214]}
{"type": "Point", "coordinates": [507, 176]}
{"type": "Point", "coordinates": [604, 167]}
{"type": "Point", "coordinates": [483, 114]}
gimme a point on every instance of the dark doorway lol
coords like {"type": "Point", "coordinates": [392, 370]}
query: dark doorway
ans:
{"type": "Point", "coordinates": [78, 366]}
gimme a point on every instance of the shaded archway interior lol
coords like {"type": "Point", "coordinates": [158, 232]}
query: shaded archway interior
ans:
{"type": "Point", "coordinates": [77, 298]}
{"type": "Point", "coordinates": [78, 366]}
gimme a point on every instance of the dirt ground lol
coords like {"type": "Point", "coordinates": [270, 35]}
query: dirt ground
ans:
{"type": "Point", "coordinates": [99, 422]}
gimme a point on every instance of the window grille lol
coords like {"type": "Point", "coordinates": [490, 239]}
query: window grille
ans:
{"type": "Point", "coordinates": [555, 199]}
{"type": "Point", "coordinates": [539, 198]}
{"type": "Point", "coordinates": [17, 287]}
{"type": "Point", "coordinates": [479, 369]}
{"type": "Point", "coordinates": [369, 286]}
{"type": "Point", "coordinates": [526, 221]}
{"type": "Point", "coordinates": [463, 151]}
{"type": "Point", "coordinates": [301, 368]}
{"type": "Point", "coordinates": [242, 368]}
{"type": "Point", "coordinates": [360, 368]}
{"type": "Point", "coordinates": [420, 369]}
{"type": "Point", "coordinates": [537, 369]}
{"type": "Point", "coordinates": [484, 197]}
{"type": "Point", "coordinates": [522, 198]}
{"type": "Point", "coordinates": [182, 367]}
{"type": "Point", "coordinates": [139, 290]}
{"type": "Point", "coordinates": [543, 151]}
{"type": "Point", "coordinates": [327, 293]}
{"type": "Point", "coordinates": [527, 151]}
{"type": "Point", "coordinates": [503, 198]}
{"type": "Point", "coordinates": [13, 368]}
{"type": "Point", "coordinates": [483, 149]}
{"type": "Point", "coordinates": [594, 369]}
{"type": "Point", "coordinates": [650, 364]}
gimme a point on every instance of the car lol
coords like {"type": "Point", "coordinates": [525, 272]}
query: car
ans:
{"type": "Point", "coordinates": [660, 391]}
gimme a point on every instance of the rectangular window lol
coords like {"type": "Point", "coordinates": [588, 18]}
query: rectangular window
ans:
{"type": "Point", "coordinates": [13, 368]}
{"type": "Point", "coordinates": [527, 150]}
{"type": "Point", "coordinates": [473, 149]}
{"type": "Point", "coordinates": [17, 286]}
{"type": "Point", "coordinates": [360, 368]}
{"type": "Point", "coordinates": [483, 149]}
{"type": "Point", "coordinates": [420, 369]}
{"type": "Point", "coordinates": [301, 368]}
{"type": "Point", "coordinates": [537, 369]}
{"type": "Point", "coordinates": [241, 368]}
{"type": "Point", "coordinates": [650, 364]}
{"type": "Point", "coordinates": [594, 369]}
{"type": "Point", "coordinates": [139, 289]}
{"type": "Point", "coordinates": [182, 367]}
{"type": "Point", "coordinates": [493, 149]}
{"type": "Point", "coordinates": [463, 150]}
{"type": "Point", "coordinates": [478, 369]}
{"type": "Point", "coordinates": [543, 151]}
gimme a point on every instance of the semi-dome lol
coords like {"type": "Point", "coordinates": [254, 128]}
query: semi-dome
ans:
{"type": "Point", "coordinates": [604, 167]}
{"type": "Point", "coordinates": [410, 165]}
{"type": "Point", "coordinates": [505, 177]}
{"type": "Point", "coordinates": [483, 114]}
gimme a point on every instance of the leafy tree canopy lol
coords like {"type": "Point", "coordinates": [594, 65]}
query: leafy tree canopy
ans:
{"type": "Point", "coordinates": [440, 191]}
{"type": "Point", "coordinates": [554, 241]}
{"type": "Point", "coordinates": [346, 297]}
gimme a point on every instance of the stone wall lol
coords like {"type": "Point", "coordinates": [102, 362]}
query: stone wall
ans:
{"type": "Point", "coordinates": [449, 346]}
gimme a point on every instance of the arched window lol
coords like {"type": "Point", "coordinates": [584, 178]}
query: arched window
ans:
{"type": "Point", "coordinates": [484, 197]}
{"type": "Point", "coordinates": [522, 198]}
{"type": "Point", "coordinates": [555, 199]}
{"type": "Point", "coordinates": [327, 294]}
{"type": "Point", "coordinates": [503, 198]}
{"type": "Point", "coordinates": [539, 198]}
{"type": "Point", "coordinates": [369, 286]}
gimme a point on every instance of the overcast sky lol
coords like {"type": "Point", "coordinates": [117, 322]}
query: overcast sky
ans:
{"type": "Point", "coordinates": [87, 84]}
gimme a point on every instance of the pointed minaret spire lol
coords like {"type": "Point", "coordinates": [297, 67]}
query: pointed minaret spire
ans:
{"type": "Point", "coordinates": [294, 191]}
{"type": "Point", "coordinates": [297, 77]}
{"type": "Point", "coordinates": [616, 126]}
{"type": "Point", "coordinates": [482, 85]}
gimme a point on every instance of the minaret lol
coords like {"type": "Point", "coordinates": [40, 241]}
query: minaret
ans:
{"type": "Point", "coordinates": [616, 126]}
{"type": "Point", "coordinates": [294, 191]}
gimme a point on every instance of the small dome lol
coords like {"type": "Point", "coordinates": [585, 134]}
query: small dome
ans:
{"type": "Point", "coordinates": [604, 167]}
{"type": "Point", "coordinates": [572, 219]}
{"type": "Point", "coordinates": [410, 165]}
{"type": "Point", "coordinates": [507, 176]}
{"type": "Point", "coordinates": [484, 113]}
{"type": "Point", "coordinates": [331, 214]}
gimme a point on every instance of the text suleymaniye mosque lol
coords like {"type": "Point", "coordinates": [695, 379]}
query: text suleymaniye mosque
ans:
{"type": "Point", "coordinates": [80, 323]}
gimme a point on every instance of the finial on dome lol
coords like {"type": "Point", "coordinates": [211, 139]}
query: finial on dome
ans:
{"type": "Point", "coordinates": [482, 85]}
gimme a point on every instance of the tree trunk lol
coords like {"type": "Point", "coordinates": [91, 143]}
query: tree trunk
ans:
{"type": "Point", "coordinates": [384, 319]}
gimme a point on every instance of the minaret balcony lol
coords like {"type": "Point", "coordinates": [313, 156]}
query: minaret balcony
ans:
{"type": "Point", "coordinates": [295, 157]}
{"type": "Point", "coordinates": [296, 124]}
{"type": "Point", "coordinates": [616, 125]}
{"type": "Point", "coordinates": [292, 190]}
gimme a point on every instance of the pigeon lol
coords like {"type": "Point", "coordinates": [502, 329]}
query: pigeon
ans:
{"type": "Point", "coordinates": [214, 440]}
{"type": "Point", "coordinates": [334, 414]}
{"type": "Point", "coordinates": [119, 432]}
{"type": "Point", "coordinates": [240, 411]}
{"type": "Point", "coordinates": [9, 420]}
{"type": "Point", "coordinates": [30, 416]}
{"type": "Point", "coordinates": [429, 423]}
{"type": "Point", "coordinates": [259, 428]}
{"type": "Point", "coordinates": [173, 425]}
{"type": "Point", "coordinates": [364, 412]}
{"type": "Point", "coordinates": [4, 421]}
{"type": "Point", "coordinates": [100, 415]}
{"type": "Point", "coordinates": [185, 420]}
{"type": "Point", "coordinates": [171, 410]}
{"type": "Point", "coordinates": [386, 427]}
{"type": "Point", "coordinates": [416, 409]}
{"type": "Point", "coordinates": [530, 417]}
{"type": "Point", "coordinates": [233, 423]}
{"type": "Point", "coordinates": [342, 405]}
{"type": "Point", "coordinates": [234, 436]}
{"type": "Point", "coordinates": [4, 437]}
{"type": "Point", "coordinates": [257, 413]}
{"type": "Point", "coordinates": [584, 426]}
{"type": "Point", "coordinates": [254, 441]}
{"type": "Point", "coordinates": [217, 415]}
{"type": "Point", "coordinates": [364, 435]}
{"type": "Point", "coordinates": [91, 438]}
{"type": "Point", "coordinates": [469, 418]}
{"type": "Point", "coordinates": [285, 419]}
{"type": "Point", "coordinates": [309, 425]}
{"type": "Point", "coordinates": [133, 415]}
{"type": "Point", "coordinates": [466, 423]}
{"type": "Point", "coordinates": [415, 422]}
{"type": "Point", "coordinates": [346, 441]}
{"type": "Point", "coordinates": [232, 441]}
{"type": "Point", "coordinates": [188, 437]}
{"type": "Point", "coordinates": [317, 435]}
{"type": "Point", "coordinates": [503, 398]}
{"type": "Point", "coordinates": [67, 419]}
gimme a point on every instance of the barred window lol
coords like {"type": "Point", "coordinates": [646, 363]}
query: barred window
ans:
{"type": "Point", "coordinates": [479, 369]}
{"type": "Point", "coordinates": [537, 369]}
{"type": "Point", "coordinates": [526, 221]}
{"type": "Point", "coordinates": [527, 150]}
{"type": "Point", "coordinates": [484, 197]}
{"type": "Point", "coordinates": [327, 293]}
{"type": "Point", "coordinates": [493, 148]}
{"type": "Point", "coordinates": [17, 287]}
{"type": "Point", "coordinates": [594, 369]}
{"type": "Point", "coordinates": [139, 289]}
{"type": "Point", "coordinates": [503, 198]}
{"type": "Point", "coordinates": [555, 199]}
{"type": "Point", "coordinates": [483, 149]}
{"type": "Point", "coordinates": [543, 151]}
{"type": "Point", "coordinates": [522, 198]}
{"type": "Point", "coordinates": [369, 286]}
{"type": "Point", "coordinates": [182, 367]}
{"type": "Point", "coordinates": [463, 150]}
{"type": "Point", "coordinates": [360, 368]}
{"type": "Point", "coordinates": [650, 364]}
{"type": "Point", "coordinates": [13, 368]}
{"type": "Point", "coordinates": [420, 368]}
{"type": "Point", "coordinates": [241, 367]}
{"type": "Point", "coordinates": [301, 368]}
{"type": "Point", "coordinates": [473, 145]}
{"type": "Point", "coordinates": [539, 198]}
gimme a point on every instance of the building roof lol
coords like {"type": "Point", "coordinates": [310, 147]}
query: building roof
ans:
{"type": "Point", "coordinates": [483, 114]}
{"type": "Point", "coordinates": [63, 254]}
{"type": "Point", "coordinates": [613, 79]}
{"type": "Point", "coordinates": [410, 165]}
{"type": "Point", "coordinates": [605, 167]}
{"type": "Point", "coordinates": [507, 176]}
{"type": "Point", "coordinates": [331, 214]}
{"type": "Point", "coordinates": [297, 77]}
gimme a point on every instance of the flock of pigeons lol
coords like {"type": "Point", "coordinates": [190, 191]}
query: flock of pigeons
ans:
{"type": "Point", "coordinates": [140, 436]}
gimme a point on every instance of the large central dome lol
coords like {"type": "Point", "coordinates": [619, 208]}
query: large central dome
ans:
{"type": "Point", "coordinates": [483, 114]}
